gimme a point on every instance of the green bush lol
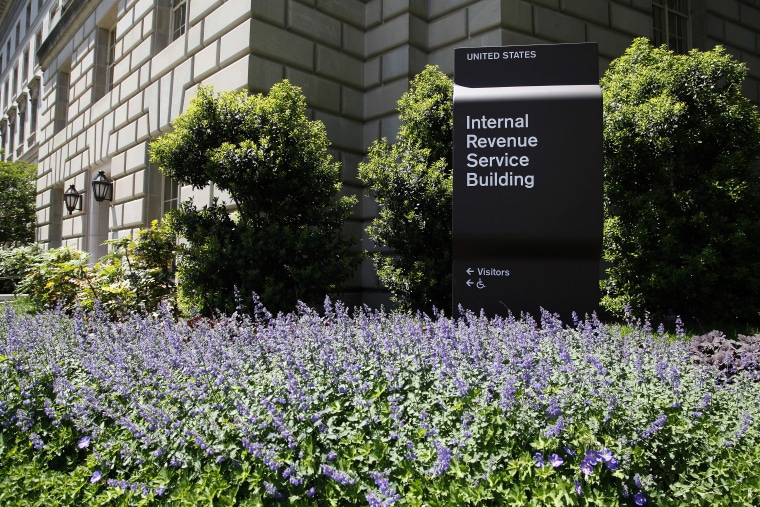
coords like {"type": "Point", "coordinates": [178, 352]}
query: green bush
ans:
{"type": "Point", "coordinates": [58, 278]}
{"type": "Point", "coordinates": [285, 242]}
{"type": "Point", "coordinates": [682, 186]}
{"type": "Point", "coordinates": [137, 274]}
{"type": "Point", "coordinates": [411, 180]}
{"type": "Point", "coordinates": [15, 263]}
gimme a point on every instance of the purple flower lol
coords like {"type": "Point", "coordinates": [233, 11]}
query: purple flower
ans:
{"type": "Point", "coordinates": [271, 489]}
{"type": "Point", "coordinates": [539, 459]}
{"type": "Point", "coordinates": [338, 476]}
{"type": "Point", "coordinates": [444, 459]}
{"type": "Point", "coordinates": [608, 459]}
{"type": "Point", "coordinates": [37, 442]}
{"type": "Point", "coordinates": [383, 483]}
{"type": "Point", "coordinates": [555, 429]}
{"type": "Point", "coordinates": [96, 475]}
{"type": "Point", "coordinates": [553, 410]}
{"type": "Point", "coordinates": [84, 442]}
{"type": "Point", "coordinates": [373, 500]}
{"type": "Point", "coordinates": [639, 498]}
{"type": "Point", "coordinates": [578, 489]}
{"type": "Point", "coordinates": [593, 458]}
{"type": "Point", "coordinates": [586, 467]}
{"type": "Point", "coordinates": [556, 461]}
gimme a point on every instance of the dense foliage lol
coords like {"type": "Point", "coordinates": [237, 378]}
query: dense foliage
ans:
{"type": "Point", "coordinates": [682, 185]}
{"type": "Point", "coordinates": [331, 408]}
{"type": "Point", "coordinates": [17, 203]}
{"type": "Point", "coordinates": [137, 274]}
{"type": "Point", "coordinates": [285, 241]}
{"type": "Point", "coordinates": [411, 180]}
{"type": "Point", "coordinates": [15, 263]}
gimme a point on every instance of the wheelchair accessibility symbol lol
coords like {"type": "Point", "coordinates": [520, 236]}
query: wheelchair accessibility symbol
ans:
{"type": "Point", "coordinates": [479, 284]}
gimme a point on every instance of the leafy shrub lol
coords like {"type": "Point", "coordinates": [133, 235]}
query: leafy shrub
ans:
{"type": "Point", "coordinates": [682, 183]}
{"type": "Point", "coordinates": [411, 180]}
{"type": "Point", "coordinates": [58, 278]}
{"type": "Point", "coordinates": [286, 240]}
{"type": "Point", "coordinates": [15, 263]}
{"type": "Point", "coordinates": [136, 274]}
{"type": "Point", "coordinates": [714, 348]}
{"type": "Point", "coordinates": [350, 409]}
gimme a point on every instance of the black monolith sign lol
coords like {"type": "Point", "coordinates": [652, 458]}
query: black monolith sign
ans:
{"type": "Point", "coordinates": [527, 203]}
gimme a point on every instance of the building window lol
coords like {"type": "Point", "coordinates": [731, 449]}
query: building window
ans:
{"type": "Point", "coordinates": [21, 122]}
{"type": "Point", "coordinates": [53, 13]}
{"type": "Point", "coordinates": [179, 18]}
{"type": "Point", "coordinates": [11, 133]}
{"type": "Point", "coordinates": [671, 24]}
{"type": "Point", "coordinates": [61, 111]}
{"type": "Point", "coordinates": [105, 54]}
{"type": "Point", "coordinates": [111, 58]}
{"type": "Point", "coordinates": [34, 100]}
{"type": "Point", "coordinates": [171, 194]}
{"type": "Point", "coordinates": [25, 67]}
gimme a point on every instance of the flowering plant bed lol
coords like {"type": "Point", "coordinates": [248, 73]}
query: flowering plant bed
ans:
{"type": "Point", "coordinates": [359, 407]}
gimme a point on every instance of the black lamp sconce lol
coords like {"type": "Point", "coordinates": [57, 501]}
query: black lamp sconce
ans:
{"type": "Point", "coordinates": [72, 199]}
{"type": "Point", "coordinates": [102, 190]}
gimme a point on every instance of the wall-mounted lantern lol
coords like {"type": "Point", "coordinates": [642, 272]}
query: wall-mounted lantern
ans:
{"type": "Point", "coordinates": [102, 189]}
{"type": "Point", "coordinates": [72, 199]}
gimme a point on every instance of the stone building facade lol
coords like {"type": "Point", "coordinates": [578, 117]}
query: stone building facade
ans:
{"type": "Point", "coordinates": [85, 85]}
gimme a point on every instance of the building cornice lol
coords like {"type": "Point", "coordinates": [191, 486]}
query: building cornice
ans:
{"type": "Point", "coordinates": [74, 14]}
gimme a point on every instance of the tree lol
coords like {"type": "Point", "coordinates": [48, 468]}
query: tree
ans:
{"type": "Point", "coordinates": [682, 188]}
{"type": "Point", "coordinates": [411, 180]}
{"type": "Point", "coordinates": [285, 241]}
{"type": "Point", "coordinates": [17, 205]}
